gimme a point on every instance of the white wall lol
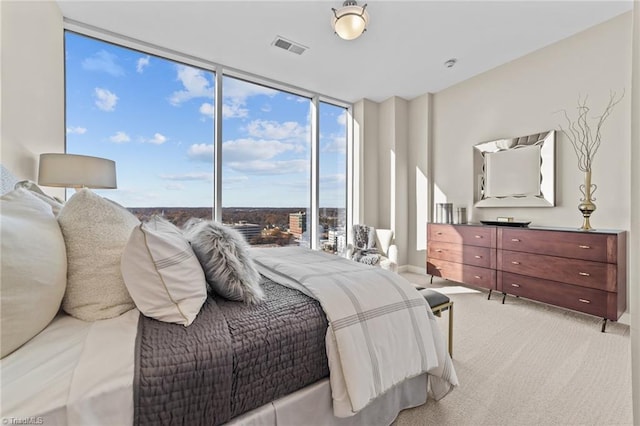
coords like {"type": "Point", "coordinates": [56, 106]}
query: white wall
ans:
{"type": "Point", "coordinates": [634, 240]}
{"type": "Point", "coordinates": [365, 116]}
{"type": "Point", "coordinates": [382, 136]}
{"type": "Point", "coordinates": [418, 180]}
{"type": "Point", "coordinates": [32, 117]}
{"type": "Point", "coordinates": [521, 98]}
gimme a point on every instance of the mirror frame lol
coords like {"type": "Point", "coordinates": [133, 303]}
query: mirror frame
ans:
{"type": "Point", "coordinates": [545, 194]}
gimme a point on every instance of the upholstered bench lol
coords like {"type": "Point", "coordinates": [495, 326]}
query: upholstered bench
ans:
{"type": "Point", "coordinates": [440, 302]}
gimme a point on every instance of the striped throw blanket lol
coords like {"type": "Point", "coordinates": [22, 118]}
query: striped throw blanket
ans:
{"type": "Point", "coordinates": [381, 330]}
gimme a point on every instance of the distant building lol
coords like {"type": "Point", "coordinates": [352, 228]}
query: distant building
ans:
{"type": "Point", "coordinates": [298, 224]}
{"type": "Point", "coordinates": [338, 240]}
{"type": "Point", "coordinates": [248, 230]}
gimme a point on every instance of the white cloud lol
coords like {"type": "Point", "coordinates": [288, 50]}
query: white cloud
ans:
{"type": "Point", "coordinates": [330, 181]}
{"type": "Point", "coordinates": [342, 118]}
{"type": "Point", "coordinates": [201, 152]}
{"type": "Point", "coordinates": [139, 197]}
{"type": "Point", "coordinates": [335, 143]}
{"type": "Point", "coordinates": [142, 63]}
{"type": "Point", "coordinates": [189, 176]}
{"type": "Point", "coordinates": [249, 149]}
{"type": "Point", "coordinates": [120, 137]}
{"type": "Point", "coordinates": [235, 180]}
{"type": "Point", "coordinates": [158, 139]}
{"type": "Point", "coordinates": [174, 187]}
{"type": "Point", "coordinates": [234, 110]}
{"type": "Point", "coordinates": [103, 61]}
{"type": "Point", "coordinates": [77, 130]}
{"type": "Point", "coordinates": [207, 110]}
{"type": "Point", "coordinates": [195, 83]}
{"type": "Point", "coordinates": [238, 89]}
{"type": "Point", "coordinates": [235, 96]}
{"type": "Point", "coordinates": [105, 100]}
{"type": "Point", "coordinates": [260, 167]}
{"type": "Point", "coordinates": [228, 110]}
{"type": "Point", "coordinates": [276, 130]}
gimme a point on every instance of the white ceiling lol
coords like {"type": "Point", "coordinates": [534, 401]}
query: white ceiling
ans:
{"type": "Point", "coordinates": [401, 54]}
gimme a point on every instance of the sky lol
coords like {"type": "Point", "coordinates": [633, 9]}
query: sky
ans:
{"type": "Point", "coordinates": [155, 118]}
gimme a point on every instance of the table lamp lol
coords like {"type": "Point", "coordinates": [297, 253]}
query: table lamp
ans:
{"type": "Point", "coordinates": [76, 171]}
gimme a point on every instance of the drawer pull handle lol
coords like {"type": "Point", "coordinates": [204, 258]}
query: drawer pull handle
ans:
{"type": "Point", "coordinates": [585, 247]}
{"type": "Point", "coordinates": [584, 274]}
{"type": "Point", "coordinates": [438, 250]}
{"type": "Point", "coordinates": [515, 285]}
{"type": "Point", "coordinates": [515, 263]}
{"type": "Point", "coordinates": [477, 257]}
{"type": "Point", "coordinates": [515, 240]}
{"type": "Point", "coordinates": [477, 277]}
{"type": "Point", "coordinates": [478, 236]}
{"type": "Point", "coordinates": [438, 233]}
{"type": "Point", "coordinates": [584, 300]}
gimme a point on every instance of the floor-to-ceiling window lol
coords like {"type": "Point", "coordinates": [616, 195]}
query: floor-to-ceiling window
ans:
{"type": "Point", "coordinates": [266, 146]}
{"type": "Point", "coordinates": [152, 116]}
{"type": "Point", "coordinates": [156, 118]}
{"type": "Point", "coordinates": [332, 168]}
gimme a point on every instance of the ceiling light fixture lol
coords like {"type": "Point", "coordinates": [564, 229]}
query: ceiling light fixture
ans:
{"type": "Point", "coordinates": [350, 21]}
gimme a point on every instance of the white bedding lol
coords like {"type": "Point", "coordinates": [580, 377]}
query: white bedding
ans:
{"type": "Point", "coordinates": [80, 373]}
{"type": "Point", "coordinates": [381, 330]}
{"type": "Point", "coordinates": [73, 372]}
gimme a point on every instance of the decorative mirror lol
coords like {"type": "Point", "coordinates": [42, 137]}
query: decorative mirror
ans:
{"type": "Point", "coordinates": [518, 172]}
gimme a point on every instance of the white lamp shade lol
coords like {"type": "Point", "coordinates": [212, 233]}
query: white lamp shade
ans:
{"type": "Point", "coordinates": [349, 22]}
{"type": "Point", "coordinates": [76, 171]}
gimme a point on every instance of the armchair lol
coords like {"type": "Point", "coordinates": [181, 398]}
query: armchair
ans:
{"type": "Point", "coordinates": [374, 243]}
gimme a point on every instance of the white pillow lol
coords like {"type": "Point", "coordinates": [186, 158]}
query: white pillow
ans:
{"type": "Point", "coordinates": [224, 255]}
{"type": "Point", "coordinates": [56, 204]}
{"type": "Point", "coordinates": [95, 232]}
{"type": "Point", "coordinates": [162, 273]}
{"type": "Point", "coordinates": [34, 268]}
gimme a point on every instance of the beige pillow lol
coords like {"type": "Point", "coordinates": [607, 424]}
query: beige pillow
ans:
{"type": "Point", "coordinates": [162, 273]}
{"type": "Point", "coordinates": [34, 268]}
{"type": "Point", "coordinates": [96, 232]}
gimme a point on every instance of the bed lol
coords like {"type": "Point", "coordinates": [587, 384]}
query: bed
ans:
{"type": "Point", "coordinates": [238, 364]}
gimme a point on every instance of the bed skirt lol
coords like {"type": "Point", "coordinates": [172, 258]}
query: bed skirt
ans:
{"type": "Point", "coordinates": [312, 406]}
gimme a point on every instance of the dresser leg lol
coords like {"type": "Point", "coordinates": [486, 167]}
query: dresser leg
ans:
{"type": "Point", "coordinates": [604, 324]}
{"type": "Point", "coordinates": [431, 282]}
{"type": "Point", "coordinates": [504, 296]}
{"type": "Point", "coordinates": [489, 297]}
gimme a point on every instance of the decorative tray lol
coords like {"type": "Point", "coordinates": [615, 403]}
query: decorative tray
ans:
{"type": "Point", "coordinates": [501, 223]}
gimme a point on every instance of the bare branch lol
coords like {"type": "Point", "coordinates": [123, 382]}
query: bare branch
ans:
{"type": "Point", "coordinates": [584, 141]}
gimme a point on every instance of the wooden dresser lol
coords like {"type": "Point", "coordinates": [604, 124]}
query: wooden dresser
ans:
{"type": "Point", "coordinates": [583, 271]}
{"type": "Point", "coordinates": [462, 253]}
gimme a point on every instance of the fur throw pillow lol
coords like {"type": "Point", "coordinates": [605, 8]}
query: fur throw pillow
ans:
{"type": "Point", "coordinates": [224, 256]}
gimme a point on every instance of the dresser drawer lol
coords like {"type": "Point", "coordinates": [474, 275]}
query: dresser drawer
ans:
{"type": "Point", "coordinates": [484, 257]}
{"type": "Point", "coordinates": [466, 274]}
{"type": "Point", "coordinates": [577, 245]}
{"type": "Point", "coordinates": [583, 273]}
{"type": "Point", "coordinates": [588, 300]}
{"type": "Point", "coordinates": [482, 236]}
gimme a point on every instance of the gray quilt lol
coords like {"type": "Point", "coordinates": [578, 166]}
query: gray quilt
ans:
{"type": "Point", "coordinates": [232, 359]}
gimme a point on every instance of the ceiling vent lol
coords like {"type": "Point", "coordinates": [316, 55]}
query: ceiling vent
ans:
{"type": "Point", "coordinates": [289, 45]}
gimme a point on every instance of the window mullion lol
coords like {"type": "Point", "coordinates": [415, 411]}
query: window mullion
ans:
{"type": "Point", "coordinates": [217, 149]}
{"type": "Point", "coordinates": [315, 148]}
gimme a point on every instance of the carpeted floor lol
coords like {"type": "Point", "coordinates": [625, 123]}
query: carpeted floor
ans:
{"type": "Point", "coordinates": [526, 363]}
